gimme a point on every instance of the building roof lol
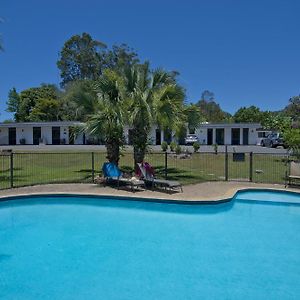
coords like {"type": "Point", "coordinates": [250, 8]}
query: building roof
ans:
{"type": "Point", "coordinates": [41, 124]}
{"type": "Point", "coordinates": [230, 125]}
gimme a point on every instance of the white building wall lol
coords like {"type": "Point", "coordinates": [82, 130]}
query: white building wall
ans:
{"type": "Point", "coordinates": [79, 139]}
{"type": "Point", "coordinates": [202, 135]}
{"type": "Point", "coordinates": [253, 135]}
{"type": "Point", "coordinates": [24, 133]}
{"type": "Point", "coordinates": [241, 135]}
{"type": "Point", "coordinates": [227, 136]}
{"type": "Point", "coordinates": [64, 134]}
{"type": "Point", "coordinates": [3, 136]}
{"type": "Point", "coordinates": [46, 134]}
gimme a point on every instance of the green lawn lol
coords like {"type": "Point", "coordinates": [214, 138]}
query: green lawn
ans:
{"type": "Point", "coordinates": [41, 168]}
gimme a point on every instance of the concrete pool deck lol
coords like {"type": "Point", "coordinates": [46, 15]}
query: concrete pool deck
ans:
{"type": "Point", "coordinates": [207, 191]}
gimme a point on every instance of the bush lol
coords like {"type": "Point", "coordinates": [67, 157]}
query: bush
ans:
{"type": "Point", "coordinates": [178, 149]}
{"type": "Point", "coordinates": [173, 146]}
{"type": "Point", "coordinates": [164, 146]}
{"type": "Point", "coordinates": [196, 146]}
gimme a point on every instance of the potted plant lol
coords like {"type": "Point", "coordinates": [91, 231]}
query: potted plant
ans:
{"type": "Point", "coordinates": [196, 146]}
{"type": "Point", "coordinates": [164, 146]}
{"type": "Point", "coordinates": [178, 149]}
{"type": "Point", "coordinates": [173, 146]}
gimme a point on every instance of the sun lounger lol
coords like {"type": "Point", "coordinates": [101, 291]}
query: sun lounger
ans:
{"type": "Point", "coordinates": [294, 172]}
{"type": "Point", "coordinates": [112, 174]}
{"type": "Point", "coordinates": [149, 178]}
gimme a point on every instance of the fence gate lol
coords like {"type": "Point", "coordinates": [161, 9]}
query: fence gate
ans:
{"type": "Point", "coordinates": [239, 166]}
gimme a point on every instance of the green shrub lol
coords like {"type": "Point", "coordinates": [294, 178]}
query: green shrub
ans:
{"type": "Point", "coordinates": [164, 146]}
{"type": "Point", "coordinates": [196, 146]}
{"type": "Point", "coordinates": [173, 146]}
{"type": "Point", "coordinates": [178, 149]}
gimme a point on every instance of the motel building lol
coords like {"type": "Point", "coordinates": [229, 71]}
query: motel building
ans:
{"type": "Point", "coordinates": [62, 133]}
{"type": "Point", "coordinates": [228, 133]}
{"type": "Point", "coordinates": [35, 133]}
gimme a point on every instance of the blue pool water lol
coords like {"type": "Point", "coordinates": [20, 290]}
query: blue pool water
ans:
{"type": "Point", "coordinates": [91, 248]}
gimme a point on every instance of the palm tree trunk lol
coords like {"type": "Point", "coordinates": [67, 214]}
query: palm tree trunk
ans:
{"type": "Point", "coordinates": [113, 151]}
{"type": "Point", "coordinates": [140, 137]}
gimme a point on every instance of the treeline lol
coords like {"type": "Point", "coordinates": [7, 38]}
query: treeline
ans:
{"type": "Point", "coordinates": [91, 72]}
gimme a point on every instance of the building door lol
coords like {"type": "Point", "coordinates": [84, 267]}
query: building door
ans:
{"type": "Point", "coordinates": [220, 136]}
{"type": "Point", "coordinates": [12, 136]}
{"type": "Point", "coordinates": [130, 136]}
{"type": "Point", "coordinates": [235, 136]}
{"type": "Point", "coordinates": [209, 136]}
{"type": "Point", "coordinates": [168, 136]}
{"type": "Point", "coordinates": [157, 136]}
{"type": "Point", "coordinates": [245, 136]}
{"type": "Point", "coordinates": [36, 135]}
{"type": "Point", "coordinates": [55, 135]}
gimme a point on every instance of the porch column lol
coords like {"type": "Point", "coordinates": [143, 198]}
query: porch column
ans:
{"type": "Point", "coordinates": [162, 136]}
{"type": "Point", "coordinates": [241, 136]}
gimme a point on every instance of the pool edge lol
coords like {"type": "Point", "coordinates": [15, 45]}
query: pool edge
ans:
{"type": "Point", "coordinates": [228, 196]}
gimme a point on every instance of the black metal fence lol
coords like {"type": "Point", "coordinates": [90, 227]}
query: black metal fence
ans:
{"type": "Point", "coordinates": [23, 169]}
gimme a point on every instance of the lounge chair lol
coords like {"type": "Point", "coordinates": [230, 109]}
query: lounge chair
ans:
{"type": "Point", "coordinates": [149, 178]}
{"type": "Point", "coordinates": [112, 174]}
{"type": "Point", "coordinates": [294, 172]}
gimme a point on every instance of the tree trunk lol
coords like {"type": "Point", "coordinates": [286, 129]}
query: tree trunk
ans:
{"type": "Point", "coordinates": [113, 151]}
{"type": "Point", "coordinates": [140, 138]}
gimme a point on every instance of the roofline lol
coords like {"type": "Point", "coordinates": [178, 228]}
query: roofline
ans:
{"type": "Point", "coordinates": [230, 124]}
{"type": "Point", "coordinates": [41, 124]}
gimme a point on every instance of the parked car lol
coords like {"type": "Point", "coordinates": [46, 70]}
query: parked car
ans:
{"type": "Point", "coordinates": [191, 139]}
{"type": "Point", "coordinates": [273, 140]}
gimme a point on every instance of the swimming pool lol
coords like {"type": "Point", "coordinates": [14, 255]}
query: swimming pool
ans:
{"type": "Point", "coordinates": [91, 248]}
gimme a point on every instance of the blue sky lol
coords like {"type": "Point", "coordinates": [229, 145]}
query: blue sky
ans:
{"type": "Point", "coordinates": [246, 52]}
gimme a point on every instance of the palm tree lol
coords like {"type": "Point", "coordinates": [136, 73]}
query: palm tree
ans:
{"type": "Point", "coordinates": [152, 97]}
{"type": "Point", "coordinates": [108, 120]}
{"type": "Point", "coordinates": [79, 100]}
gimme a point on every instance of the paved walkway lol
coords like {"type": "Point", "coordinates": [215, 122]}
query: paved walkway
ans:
{"type": "Point", "coordinates": [208, 191]}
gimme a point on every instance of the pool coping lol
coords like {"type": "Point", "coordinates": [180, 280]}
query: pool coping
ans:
{"type": "Point", "coordinates": [227, 197]}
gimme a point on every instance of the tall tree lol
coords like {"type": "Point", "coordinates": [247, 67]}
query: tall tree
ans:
{"type": "Point", "coordinates": [45, 110]}
{"type": "Point", "coordinates": [120, 57]}
{"type": "Point", "coordinates": [23, 103]}
{"type": "Point", "coordinates": [193, 116]}
{"type": "Point", "coordinates": [152, 97]}
{"type": "Point", "coordinates": [276, 121]}
{"type": "Point", "coordinates": [212, 112]}
{"type": "Point", "coordinates": [13, 104]}
{"type": "Point", "coordinates": [81, 58]}
{"type": "Point", "coordinates": [108, 120]}
{"type": "Point", "coordinates": [293, 108]}
{"type": "Point", "coordinates": [250, 114]}
{"type": "Point", "coordinates": [79, 100]}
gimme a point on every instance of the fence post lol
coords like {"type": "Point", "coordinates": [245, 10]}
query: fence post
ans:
{"type": "Point", "coordinates": [251, 167]}
{"type": "Point", "coordinates": [166, 165]}
{"type": "Point", "coordinates": [226, 163]}
{"type": "Point", "coordinates": [93, 167]}
{"type": "Point", "coordinates": [11, 170]}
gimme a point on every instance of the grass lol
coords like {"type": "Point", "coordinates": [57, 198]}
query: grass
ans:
{"type": "Point", "coordinates": [42, 168]}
